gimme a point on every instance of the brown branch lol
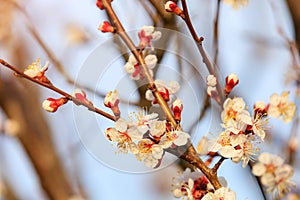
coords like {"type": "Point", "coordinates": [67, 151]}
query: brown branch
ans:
{"type": "Point", "coordinates": [122, 33]}
{"type": "Point", "coordinates": [190, 155]}
{"type": "Point", "coordinates": [57, 90]}
{"type": "Point", "coordinates": [199, 43]}
{"type": "Point", "coordinates": [218, 164]}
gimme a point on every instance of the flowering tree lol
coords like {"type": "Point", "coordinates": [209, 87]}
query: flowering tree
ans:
{"type": "Point", "coordinates": [150, 136]}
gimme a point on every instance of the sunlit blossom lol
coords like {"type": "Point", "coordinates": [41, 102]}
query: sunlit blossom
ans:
{"type": "Point", "coordinates": [280, 107]}
{"type": "Point", "coordinates": [275, 175]}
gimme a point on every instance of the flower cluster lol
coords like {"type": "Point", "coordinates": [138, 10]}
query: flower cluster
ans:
{"type": "Point", "coordinates": [274, 174]}
{"type": "Point", "coordinates": [241, 132]}
{"type": "Point", "coordinates": [145, 136]}
{"type": "Point", "coordinates": [146, 35]}
{"type": "Point", "coordinates": [166, 91]}
{"type": "Point", "coordinates": [195, 186]}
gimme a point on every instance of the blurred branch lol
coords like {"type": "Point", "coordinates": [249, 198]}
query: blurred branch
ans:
{"type": "Point", "coordinates": [19, 102]}
{"type": "Point", "coordinates": [294, 6]}
{"type": "Point", "coordinates": [216, 32]}
{"type": "Point", "coordinates": [8, 191]}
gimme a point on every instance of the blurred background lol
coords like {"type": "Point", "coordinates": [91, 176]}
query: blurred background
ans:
{"type": "Point", "coordinates": [66, 156]}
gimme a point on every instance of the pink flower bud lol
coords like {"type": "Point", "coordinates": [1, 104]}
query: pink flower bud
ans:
{"type": "Point", "coordinates": [177, 107]}
{"type": "Point", "coordinates": [231, 81]}
{"type": "Point", "coordinates": [99, 4]}
{"type": "Point", "coordinates": [51, 105]}
{"type": "Point", "coordinates": [171, 6]}
{"type": "Point", "coordinates": [81, 95]}
{"type": "Point", "coordinates": [106, 27]}
{"type": "Point", "coordinates": [111, 101]}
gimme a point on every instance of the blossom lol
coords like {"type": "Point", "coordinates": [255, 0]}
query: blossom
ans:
{"type": "Point", "coordinates": [135, 70]}
{"type": "Point", "coordinates": [157, 128]}
{"type": "Point", "coordinates": [111, 101]}
{"type": "Point", "coordinates": [281, 107]}
{"type": "Point", "coordinates": [236, 3]}
{"type": "Point", "coordinates": [232, 109]}
{"type": "Point", "coordinates": [146, 35]}
{"type": "Point", "coordinates": [275, 175]}
{"type": "Point", "coordinates": [180, 138]}
{"type": "Point", "coordinates": [177, 107]}
{"type": "Point", "coordinates": [165, 91]}
{"type": "Point", "coordinates": [235, 127]}
{"type": "Point", "coordinates": [231, 81]}
{"type": "Point", "coordinates": [171, 6]}
{"type": "Point", "coordinates": [141, 120]}
{"type": "Point", "coordinates": [211, 80]}
{"type": "Point", "coordinates": [36, 71]}
{"type": "Point", "coordinates": [226, 145]}
{"type": "Point", "coordinates": [247, 149]}
{"type": "Point", "coordinates": [80, 95]}
{"type": "Point", "coordinates": [106, 27]}
{"type": "Point", "coordinates": [221, 193]}
{"type": "Point", "coordinates": [51, 105]}
{"type": "Point", "coordinates": [124, 136]}
{"type": "Point", "coordinates": [150, 153]}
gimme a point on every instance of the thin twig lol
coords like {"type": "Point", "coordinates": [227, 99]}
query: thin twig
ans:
{"type": "Point", "coordinates": [218, 164]}
{"type": "Point", "coordinates": [216, 32]}
{"type": "Point", "coordinates": [199, 42]}
{"type": "Point", "coordinates": [18, 73]}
